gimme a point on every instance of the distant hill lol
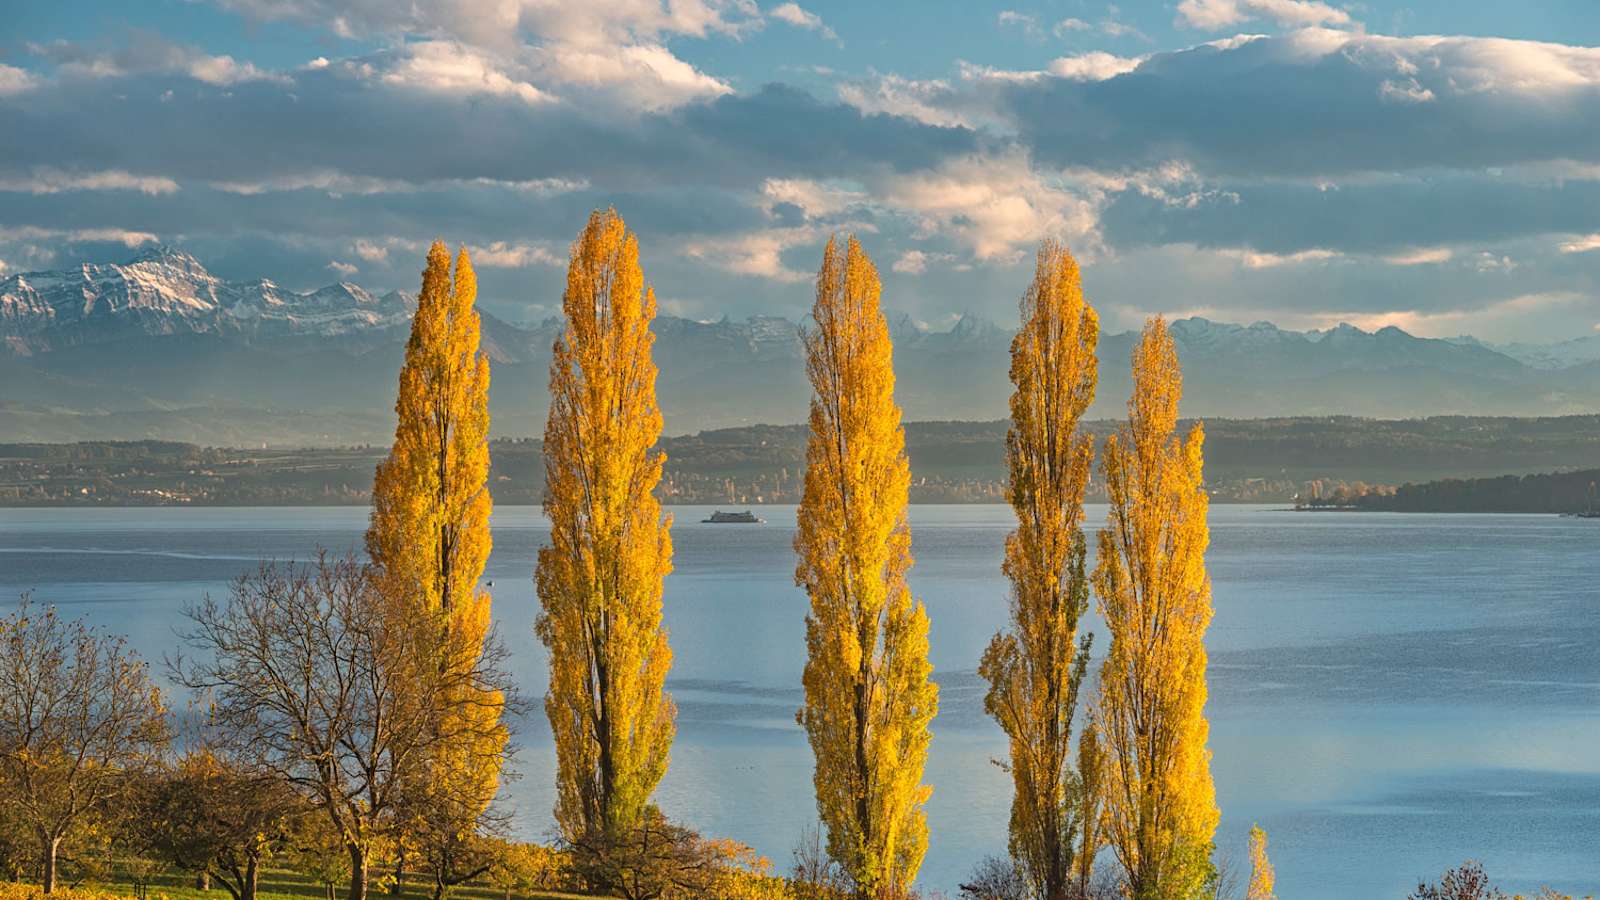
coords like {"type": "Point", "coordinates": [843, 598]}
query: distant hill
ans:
{"type": "Point", "coordinates": [159, 347]}
{"type": "Point", "coordinates": [1247, 460]}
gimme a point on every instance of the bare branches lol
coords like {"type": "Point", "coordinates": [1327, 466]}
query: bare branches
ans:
{"type": "Point", "coordinates": [313, 680]}
{"type": "Point", "coordinates": [78, 715]}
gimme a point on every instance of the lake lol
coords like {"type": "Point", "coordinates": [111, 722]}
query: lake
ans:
{"type": "Point", "coordinates": [1390, 694]}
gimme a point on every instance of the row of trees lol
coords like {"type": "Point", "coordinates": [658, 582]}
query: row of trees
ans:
{"type": "Point", "coordinates": [350, 715]}
{"type": "Point", "coordinates": [369, 694]}
{"type": "Point", "coordinates": [1139, 781]}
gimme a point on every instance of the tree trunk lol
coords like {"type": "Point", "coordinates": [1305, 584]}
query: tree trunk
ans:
{"type": "Point", "coordinates": [247, 884]}
{"type": "Point", "coordinates": [358, 873]}
{"type": "Point", "coordinates": [48, 851]}
{"type": "Point", "coordinates": [202, 880]}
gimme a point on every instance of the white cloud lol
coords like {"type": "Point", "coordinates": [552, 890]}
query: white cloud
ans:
{"type": "Point", "coordinates": [1411, 91]}
{"type": "Point", "coordinates": [1491, 318]}
{"type": "Point", "coordinates": [337, 184]}
{"type": "Point", "coordinates": [54, 181]}
{"type": "Point", "coordinates": [926, 101]}
{"type": "Point", "coordinates": [118, 235]}
{"type": "Point", "coordinates": [1010, 18]}
{"type": "Point", "coordinates": [645, 76]}
{"type": "Point", "coordinates": [448, 67]}
{"type": "Point", "coordinates": [14, 80]}
{"type": "Point", "coordinates": [333, 183]}
{"type": "Point", "coordinates": [1582, 244]}
{"type": "Point", "coordinates": [371, 251]}
{"type": "Point", "coordinates": [1420, 256]}
{"type": "Point", "coordinates": [1254, 259]}
{"type": "Point", "coordinates": [760, 253]}
{"type": "Point", "coordinates": [915, 262]}
{"type": "Point", "coordinates": [533, 48]}
{"type": "Point", "coordinates": [1071, 24]}
{"type": "Point", "coordinates": [1214, 15]}
{"type": "Point", "coordinates": [150, 53]}
{"type": "Point", "coordinates": [996, 205]}
{"type": "Point", "coordinates": [1490, 262]}
{"type": "Point", "coordinates": [815, 198]}
{"type": "Point", "coordinates": [342, 269]}
{"type": "Point", "coordinates": [793, 14]}
{"type": "Point", "coordinates": [1094, 66]}
{"type": "Point", "coordinates": [225, 70]}
{"type": "Point", "coordinates": [1113, 28]}
{"type": "Point", "coordinates": [503, 255]}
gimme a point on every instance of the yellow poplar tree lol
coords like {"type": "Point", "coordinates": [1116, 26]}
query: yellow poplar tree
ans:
{"type": "Point", "coordinates": [600, 580]}
{"type": "Point", "coordinates": [1090, 814]}
{"type": "Point", "coordinates": [1151, 580]}
{"type": "Point", "coordinates": [868, 698]}
{"type": "Point", "coordinates": [1034, 670]}
{"type": "Point", "coordinates": [1262, 878]}
{"type": "Point", "coordinates": [429, 532]}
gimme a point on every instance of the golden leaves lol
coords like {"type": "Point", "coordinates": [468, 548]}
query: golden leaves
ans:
{"type": "Point", "coordinates": [429, 532]}
{"type": "Point", "coordinates": [869, 700]}
{"type": "Point", "coordinates": [1035, 668]}
{"type": "Point", "coordinates": [1156, 598]}
{"type": "Point", "coordinates": [600, 580]}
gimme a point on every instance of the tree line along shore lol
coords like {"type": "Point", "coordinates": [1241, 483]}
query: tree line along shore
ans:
{"type": "Point", "coordinates": [348, 718]}
{"type": "Point", "coordinates": [1402, 465]}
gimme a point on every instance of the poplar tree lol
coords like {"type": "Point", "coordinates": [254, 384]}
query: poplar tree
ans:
{"type": "Point", "coordinates": [600, 579]}
{"type": "Point", "coordinates": [1150, 577]}
{"type": "Point", "coordinates": [1035, 668]}
{"type": "Point", "coordinates": [868, 698]}
{"type": "Point", "coordinates": [428, 538]}
{"type": "Point", "coordinates": [1262, 877]}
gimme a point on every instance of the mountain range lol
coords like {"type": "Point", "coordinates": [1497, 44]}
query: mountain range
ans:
{"type": "Point", "coordinates": [160, 347]}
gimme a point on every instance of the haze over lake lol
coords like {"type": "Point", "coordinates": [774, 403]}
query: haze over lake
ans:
{"type": "Point", "coordinates": [1389, 694]}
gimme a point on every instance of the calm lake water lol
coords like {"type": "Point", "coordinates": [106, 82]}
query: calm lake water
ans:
{"type": "Point", "coordinates": [1389, 694]}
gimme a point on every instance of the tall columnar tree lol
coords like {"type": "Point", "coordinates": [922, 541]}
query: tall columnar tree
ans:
{"type": "Point", "coordinates": [600, 579]}
{"type": "Point", "coordinates": [1035, 668]}
{"type": "Point", "coordinates": [869, 700]}
{"type": "Point", "coordinates": [1262, 877]}
{"type": "Point", "coordinates": [429, 533]}
{"type": "Point", "coordinates": [1151, 580]}
{"type": "Point", "coordinates": [1090, 814]}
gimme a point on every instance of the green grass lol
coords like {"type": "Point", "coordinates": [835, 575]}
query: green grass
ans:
{"type": "Point", "coordinates": [279, 884]}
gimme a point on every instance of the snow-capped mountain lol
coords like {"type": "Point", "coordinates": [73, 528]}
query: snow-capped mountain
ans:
{"type": "Point", "coordinates": [1564, 354]}
{"type": "Point", "coordinates": [163, 291]}
{"type": "Point", "coordinates": [159, 347]}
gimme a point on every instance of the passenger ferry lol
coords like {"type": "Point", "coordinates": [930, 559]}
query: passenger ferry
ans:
{"type": "Point", "coordinates": [734, 518]}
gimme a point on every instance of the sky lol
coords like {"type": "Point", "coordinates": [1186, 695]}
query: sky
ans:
{"type": "Point", "coordinates": [1430, 164]}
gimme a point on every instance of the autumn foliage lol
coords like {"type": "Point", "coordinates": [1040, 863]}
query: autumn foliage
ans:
{"type": "Point", "coordinates": [1035, 668]}
{"type": "Point", "coordinates": [600, 579]}
{"type": "Point", "coordinates": [429, 540]}
{"type": "Point", "coordinates": [1151, 581]}
{"type": "Point", "coordinates": [868, 698]}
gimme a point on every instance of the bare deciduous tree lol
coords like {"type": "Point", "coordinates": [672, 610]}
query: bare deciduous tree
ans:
{"type": "Point", "coordinates": [317, 685]}
{"type": "Point", "coordinates": [78, 716]}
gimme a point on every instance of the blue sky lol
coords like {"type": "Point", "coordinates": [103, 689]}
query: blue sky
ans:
{"type": "Point", "coordinates": [1433, 165]}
